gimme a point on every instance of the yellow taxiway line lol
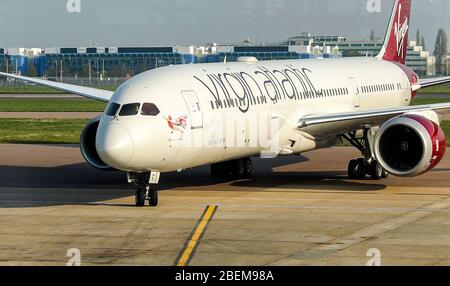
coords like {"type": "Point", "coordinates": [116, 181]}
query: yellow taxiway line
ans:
{"type": "Point", "coordinates": [194, 239]}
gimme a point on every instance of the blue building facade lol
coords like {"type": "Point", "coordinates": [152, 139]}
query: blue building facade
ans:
{"type": "Point", "coordinates": [18, 64]}
{"type": "Point", "coordinates": [124, 61]}
{"type": "Point", "coordinates": [14, 63]}
{"type": "Point", "coordinates": [129, 61]}
{"type": "Point", "coordinates": [5, 62]}
{"type": "Point", "coordinates": [262, 53]}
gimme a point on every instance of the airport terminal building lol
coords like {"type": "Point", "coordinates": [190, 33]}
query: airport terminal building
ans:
{"type": "Point", "coordinates": [113, 65]}
{"type": "Point", "coordinates": [418, 59]}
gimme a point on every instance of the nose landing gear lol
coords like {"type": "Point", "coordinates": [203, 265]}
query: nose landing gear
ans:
{"type": "Point", "coordinates": [145, 192]}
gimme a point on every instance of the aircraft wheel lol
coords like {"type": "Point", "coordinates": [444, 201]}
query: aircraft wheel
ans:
{"type": "Point", "coordinates": [153, 197]}
{"type": "Point", "coordinates": [140, 197]}
{"type": "Point", "coordinates": [376, 171]}
{"type": "Point", "coordinates": [238, 168]}
{"type": "Point", "coordinates": [356, 169]}
{"type": "Point", "coordinates": [248, 167]}
{"type": "Point", "coordinates": [361, 169]}
{"type": "Point", "coordinates": [353, 169]}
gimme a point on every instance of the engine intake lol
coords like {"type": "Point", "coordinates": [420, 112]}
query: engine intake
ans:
{"type": "Point", "coordinates": [87, 146]}
{"type": "Point", "coordinates": [409, 145]}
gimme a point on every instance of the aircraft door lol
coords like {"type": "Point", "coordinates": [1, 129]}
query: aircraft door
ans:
{"type": "Point", "coordinates": [354, 89]}
{"type": "Point", "coordinates": [194, 108]}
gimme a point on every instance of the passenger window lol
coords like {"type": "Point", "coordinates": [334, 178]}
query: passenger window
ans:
{"type": "Point", "coordinates": [112, 109]}
{"type": "Point", "coordinates": [129, 109]}
{"type": "Point", "coordinates": [150, 109]}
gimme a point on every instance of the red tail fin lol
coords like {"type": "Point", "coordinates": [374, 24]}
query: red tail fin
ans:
{"type": "Point", "coordinates": [396, 41]}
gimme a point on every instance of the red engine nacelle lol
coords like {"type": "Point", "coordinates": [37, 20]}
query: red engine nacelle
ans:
{"type": "Point", "coordinates": [409, 145]}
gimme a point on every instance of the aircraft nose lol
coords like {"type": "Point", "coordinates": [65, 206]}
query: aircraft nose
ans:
{"type": "Point", "coordinates": [115, 145]}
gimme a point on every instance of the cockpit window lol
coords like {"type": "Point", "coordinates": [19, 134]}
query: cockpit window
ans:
{"type": "Point", "coordinates": [112, 109]}
{"type": "Point", "coordinates": [129, 109]}
{"type": "Point", "coordinates": [149, 109]}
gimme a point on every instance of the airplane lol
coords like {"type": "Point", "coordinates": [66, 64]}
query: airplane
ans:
{"type": "Point", "coordinates": [222, 114]}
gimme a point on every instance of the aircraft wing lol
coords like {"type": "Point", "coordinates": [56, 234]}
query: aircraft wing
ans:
{"type": "Point", "coordinates": [92, 93]}
{"type": "Point", "coordinates": [428, 82]}
{"type": "Point", "coordinates": [334, 124]}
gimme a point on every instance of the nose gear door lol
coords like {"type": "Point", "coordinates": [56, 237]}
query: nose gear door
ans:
{"type": "Point", "coordinates": [194, 108]}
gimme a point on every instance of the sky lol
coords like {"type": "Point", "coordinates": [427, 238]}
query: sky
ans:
{"type": "Point", "coordinates": [81, 23]}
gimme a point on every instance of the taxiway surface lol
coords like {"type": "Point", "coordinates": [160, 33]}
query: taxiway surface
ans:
{"type": "Point", "coordinates": [294, 211]}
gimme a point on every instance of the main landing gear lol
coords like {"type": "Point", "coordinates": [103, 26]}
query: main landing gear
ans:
{"type": "Point", "coordinates": [240, 168]}
{"type": "Point", "coordinates": [366, 166]}
{"type": "Point", "coordinates": [145, 192]}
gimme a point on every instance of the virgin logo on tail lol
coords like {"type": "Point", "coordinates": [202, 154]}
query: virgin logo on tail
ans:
{"type": "Point", "coordinates": [401, 32]}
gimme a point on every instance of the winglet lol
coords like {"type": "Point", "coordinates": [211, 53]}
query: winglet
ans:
{"type": "Point", "coordinates": [396, 40]}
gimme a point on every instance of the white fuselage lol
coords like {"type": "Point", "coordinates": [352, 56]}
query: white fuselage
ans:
{"type": "Point", "coordinates": [211, 113]}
